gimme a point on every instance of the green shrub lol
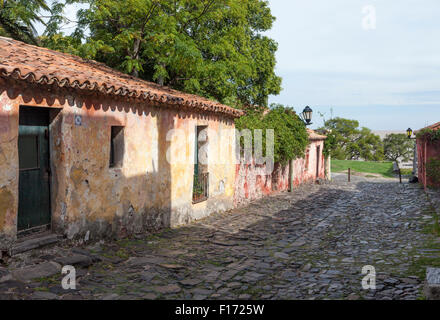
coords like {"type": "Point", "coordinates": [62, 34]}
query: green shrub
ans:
{"type": "Point", "coordinates": [429, 134]}
{"type": "Point", "coordinates": [291, 137]}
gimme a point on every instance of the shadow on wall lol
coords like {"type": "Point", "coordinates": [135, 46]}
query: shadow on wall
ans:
{"type": "Point", "coordinates": [89, 197]}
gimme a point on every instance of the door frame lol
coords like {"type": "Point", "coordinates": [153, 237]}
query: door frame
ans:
{"type": "Point", "coordinates": [54, 113]}
{"type": "Point", "coordinates": [318, 160]}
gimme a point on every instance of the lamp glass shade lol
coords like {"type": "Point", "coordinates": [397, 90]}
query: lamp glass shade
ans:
{"type": "Point", "coordinates": [409, 132]}
{"type": "Point", "coordinates": [307, 114]}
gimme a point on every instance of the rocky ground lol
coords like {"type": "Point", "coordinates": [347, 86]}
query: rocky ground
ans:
{"type": "Point", "coordinates": [309, 244]}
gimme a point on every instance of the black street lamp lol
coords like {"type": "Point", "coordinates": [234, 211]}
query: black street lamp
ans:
{"type": "Point", "coordinates": [306, 116]}
{"type": "Point", "coordinates": [414, 179]}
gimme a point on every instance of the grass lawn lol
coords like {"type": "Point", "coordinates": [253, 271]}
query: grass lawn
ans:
{"type": "Point", "coordinates": [383, 168]}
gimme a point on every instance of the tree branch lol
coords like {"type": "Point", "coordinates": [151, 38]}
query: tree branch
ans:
{"type": "Point", "coordinates": [148, 16]}
{"type": "Point", "coordinates": [205, 10]}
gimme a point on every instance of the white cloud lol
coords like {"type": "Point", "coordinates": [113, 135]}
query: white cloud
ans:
{"type": "Point", "coordinates": [326, 57]}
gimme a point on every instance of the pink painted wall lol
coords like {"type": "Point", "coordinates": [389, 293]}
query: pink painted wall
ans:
{"type": "Point", "coordinates": [252, 182]}
{"type": "Point", "coordinates": [427, 150]}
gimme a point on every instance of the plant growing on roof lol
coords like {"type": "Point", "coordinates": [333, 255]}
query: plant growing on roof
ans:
{"type": "Point", "coordinates": [428, 134]}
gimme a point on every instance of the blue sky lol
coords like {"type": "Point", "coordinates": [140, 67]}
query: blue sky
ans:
{"type": "Point", "coordinates": [388, 78]}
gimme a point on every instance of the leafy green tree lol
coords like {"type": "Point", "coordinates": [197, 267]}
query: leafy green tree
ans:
{"type": "Point", "coordinates": [398, 146]}
{"type": "Point", "coordinates": [291, 137]}
{"type": "Point", "coordinates": [213, 48]}
{"type": "Point", "coordinates": [18, 17]}
{"type": "Point", "coordinates": [366, 146]}
{"type": "Point", "coordinates": [346, 141]}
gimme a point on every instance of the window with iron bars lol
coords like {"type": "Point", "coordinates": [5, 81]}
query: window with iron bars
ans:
{"type": "Point", "coordinates": [201, 176]}
{"type": "Point", "coordinates": [201, 187]}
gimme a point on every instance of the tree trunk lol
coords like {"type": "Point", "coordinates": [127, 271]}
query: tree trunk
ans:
{"type": "Point", "coordinates": [135, 55]}
{"type": "Point", "coordinates": [160, 79]}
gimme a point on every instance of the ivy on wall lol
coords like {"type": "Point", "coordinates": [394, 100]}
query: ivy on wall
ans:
{"type": "Point", "coordinates": [429, 134]}
{"type": "Point", "coordinates": [330, 142]}
{"type": "Point", "coordinates": [291, 137]}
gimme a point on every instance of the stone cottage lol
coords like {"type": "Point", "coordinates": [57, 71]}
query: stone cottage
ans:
{"type": "Point", "coordinates": [87, 151]}
{"type": "Point", "coordinates": [427, 150]}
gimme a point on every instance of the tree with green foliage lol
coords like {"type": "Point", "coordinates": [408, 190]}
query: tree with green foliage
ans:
{"type": "Point", "coordinates": [366, 146]}
{"type": "Point", "coordinates": [18, 18]}
{"type": "Point", "coordinates": [213, 48]}
{"type": "Point", "coordinates": [341, 132]}
{"type": "Point", "coordinates": [291, 137]}
{"type": "Point", "coordinates": [346, 141]}
{"type": "Point", "coordinates": [398, 146]}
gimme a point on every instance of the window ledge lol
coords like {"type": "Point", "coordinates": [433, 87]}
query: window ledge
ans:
{"type": "Point", "coordinates": [200, 201]}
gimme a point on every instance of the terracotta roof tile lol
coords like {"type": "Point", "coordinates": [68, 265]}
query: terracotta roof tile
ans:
{"type": "Point", "coordinates": [43, 66]}
{"type": "Point", "coordinates": [435, 126]}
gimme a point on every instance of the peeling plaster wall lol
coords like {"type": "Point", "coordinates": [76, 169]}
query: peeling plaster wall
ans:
{"type": "Point", "coordinates": [252, 181]}
{"type": "Point", "coordinates": [8, 169]}
{"type": "Point", "coordinates": [147, 194]}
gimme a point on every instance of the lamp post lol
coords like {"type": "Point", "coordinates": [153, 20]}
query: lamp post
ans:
{"type": "Point", "coordinates": [409, 133]}
{"type": "Point", "coordinates": [306, 116]}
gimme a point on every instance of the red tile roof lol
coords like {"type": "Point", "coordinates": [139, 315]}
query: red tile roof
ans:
{"type": "Point", "coordinates": [435, 126]}
{"type": "Point", "coordinates": [46, 67]}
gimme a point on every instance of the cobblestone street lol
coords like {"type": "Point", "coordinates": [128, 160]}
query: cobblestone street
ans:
{"type": "Point", "coordinates": [309, 244]}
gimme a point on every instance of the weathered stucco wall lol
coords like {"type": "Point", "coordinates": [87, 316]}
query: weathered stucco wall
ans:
{"type": "Point", "coordinates": [253, 182]}
{"type": "Point", "coordinates": [427, 150]}
{"type": "Point", "coordinates": [8, 169]}
{"type": "Point", "coordinates": [147, 193]}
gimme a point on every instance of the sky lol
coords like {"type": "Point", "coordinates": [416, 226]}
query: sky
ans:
{"type": "Point", "coordinates": [376, 61]}
{"type": "Point", "coordinates": [332, 56]}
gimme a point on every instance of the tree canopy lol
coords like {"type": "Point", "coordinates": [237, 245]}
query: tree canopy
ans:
{"type": "Point", "coordinates": [213, 48]}
{"type": "Point", "coordinates": [398, 146]}
{"type": "Point", "coordinates": [291, 137]}
{"type": "Point", "coordinates": [350, 142]}
{"type": "Point", "coordinates": [18, 17]}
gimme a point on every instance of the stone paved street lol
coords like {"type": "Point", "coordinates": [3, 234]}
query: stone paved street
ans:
{"type": "Point", "coordinates": [310, 244]}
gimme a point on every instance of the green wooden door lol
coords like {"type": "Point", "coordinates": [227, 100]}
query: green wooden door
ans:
{"type": "Point", "coordinates": [33, 152]}
{"type": "Point", "coordinates": [196, 153]}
